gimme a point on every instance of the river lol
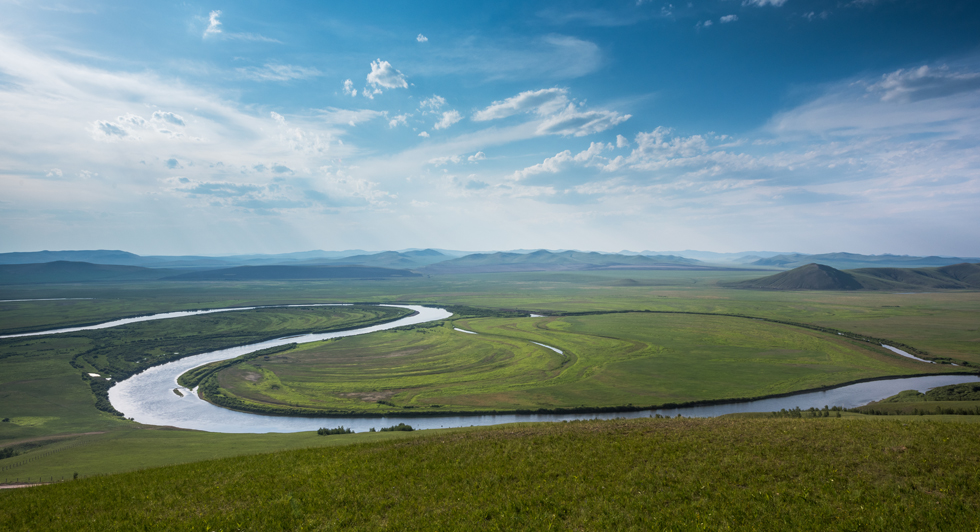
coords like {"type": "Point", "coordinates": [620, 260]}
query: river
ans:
{"type": "Point", "coordinates": [148, 397]}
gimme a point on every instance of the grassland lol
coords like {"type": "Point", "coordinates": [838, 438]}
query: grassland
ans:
{"type": "Point", "coordinates": [45, 396]}
{"type": "Point", "coordinates": [45, 391]}
{"type": "Point", "coordinates": [653, 474]}
{"type": "Point", "coordinates": [608, 361]}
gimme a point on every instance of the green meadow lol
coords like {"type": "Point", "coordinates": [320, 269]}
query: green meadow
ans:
{"type": "Point", "coordinates": [646, 474]}
{"type": "Point", "coordinates": [640, 474]}
{"type": "Point", "coordinates": [609, 360]}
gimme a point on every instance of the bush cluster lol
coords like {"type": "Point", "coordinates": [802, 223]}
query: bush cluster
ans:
{"type": "Point", "coordinates": [398, 427]}
{"type": "Point", "coordinates": [810, 412]}
{"type": "Point", "coordinates": [323, 431]}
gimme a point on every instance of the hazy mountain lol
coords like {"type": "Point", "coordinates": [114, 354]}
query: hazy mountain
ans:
{"type": "Point", "coordinates": [543, 260]}
{"type": "Point", "coordinates": [853, 260]}
{"type": "Point", "coordinates": [76, 272]}
{"type": "Point", "coordinates": [711, 256]}
{"type": "Point", "coordinates": [279, 273]}
{"type": "Point", "coordinates": [409, 260]}
{"type": "Point", "coordinates": [101, 256]}
{"type": "Point", "coordinates": [823, 277]}
{"type": "Point", "coordinates": [177, 261]}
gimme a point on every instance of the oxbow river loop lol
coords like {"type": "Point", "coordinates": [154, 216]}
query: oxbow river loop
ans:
{"type": "Point", "coordinates": [148, 397]}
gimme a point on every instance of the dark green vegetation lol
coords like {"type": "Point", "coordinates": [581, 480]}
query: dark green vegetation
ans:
{"type": "Point", "coordinates": [609, 361]}
{"type": "Point", "coordinates": [823, 277]}
{"type": "Point", "coordinates": [565, 261]}
{"type": "Point", "coordinates": [292, 273]}
{"type": "Point", "coordinates": [401, 427]}
{"type": "Point", "coordinates": [323, 431]}
{"type": "Point", "coordinates": [76, 272]}
{"type": "Point", "coordinates": [957, 399]}
{"type": "Point", "coordinates": [652, 474]}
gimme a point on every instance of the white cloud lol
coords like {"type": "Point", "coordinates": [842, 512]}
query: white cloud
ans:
{"type": "Point", "coordinates": [399, 119]}
{"type": "Point", "coordinates": [432, 104]}
{"type": "Point", "coordinates": [109, 131]}
{"type": "Point", "coordinates": [275, 72]}
{"type": "Point", "coordinates": [542, 102]}
{"type": "Point", "coordinates": [214, 25]}
{"type": "Point", "coordinates": [924, 83]}
{"type": "Point", "coordinates": [621, 141]}
{"type": "Point", "coordinates": [762, 3]}
{"type": "Point", "coordinates": [384, 75]}
{"type": "Point", "coordinates": [728, 18]}
{"type": "Point", "coordinates": [422, 38]}
{"type": "Point", "coordinates": [551, 165]}
{"type": "Point", "coordinates": [54, 172]}
{"type": "Point", "coordinates": [439, 161]}
{"type": "Point", "coordinates": [574, 122]}
{"type": "Point", "coordinates": [448, 118]}
{"type": "Point", "coordinates": [349, 89]}
{"type": "Point", "coordinates": [168, 117]}
{"type": "Point", "coordinates": [424, 134]}
{"type": "Point", "coordinates": [214, 29]}
{"type": "Point", "coordinates": [565, 159]}
{"type": "Point", "coordinates": [478, 156]}
{"type": "Point", "coordinates": [704, 24]}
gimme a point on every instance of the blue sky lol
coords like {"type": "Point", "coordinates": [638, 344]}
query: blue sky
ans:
{"type": "Point", "coordinates": [723, 125]}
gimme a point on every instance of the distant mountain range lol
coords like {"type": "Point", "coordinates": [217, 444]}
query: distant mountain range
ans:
{"type": "Point", "coordinates": [85, 272]}
{"type": "Point", "coordinates": [77, 272]}
{"type": "Point", "coordinates": [426, 261]}
{"type": "Point", "coordinates": [542, 260]}
{"type": "Point", "coordinates": [823, 277]}
{"type": "Point", "coordinates": [853, 260]}
{"type": "Point", "coordinates": [292, 273]}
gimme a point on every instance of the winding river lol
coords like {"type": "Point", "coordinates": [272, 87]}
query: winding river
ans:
{"type": "Point", "coordinates": [149, 397]}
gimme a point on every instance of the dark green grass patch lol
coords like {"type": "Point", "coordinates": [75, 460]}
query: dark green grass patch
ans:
{"type": "Point", "coordinates": [720, 474]}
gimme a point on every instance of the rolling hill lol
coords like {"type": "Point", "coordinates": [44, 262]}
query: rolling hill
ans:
{"type": "Point", "coordinates": [854, 260]}
{"type": "Point", "coordinates": [286, 273]}
{"type": "Point", "coordinates": [823, 277]}
{"type": "Point", "coordinates": [75, 272]}
{"type": "Point", "coordinates": [543, 260]}
{"type": "Point", "coordinates": [395, 259]}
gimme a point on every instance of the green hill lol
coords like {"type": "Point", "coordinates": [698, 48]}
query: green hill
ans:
{"type": "Point", "coordinates": [543, 260]}
{"type": "Point", "coordinates": [63, 271]}
{"type": "Point", "coordinates": [282, 273]}
{"type": "Point", "coordinates": [823, 277]}
{"type": "Point", "coordinates": [643, 474]}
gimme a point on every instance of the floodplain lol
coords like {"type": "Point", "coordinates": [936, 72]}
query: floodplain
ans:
{"type": "Point", "coordinates": [675, 337]}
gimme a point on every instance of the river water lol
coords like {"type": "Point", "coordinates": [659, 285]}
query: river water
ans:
{"type": "Point", "coordinates": [149, 398]}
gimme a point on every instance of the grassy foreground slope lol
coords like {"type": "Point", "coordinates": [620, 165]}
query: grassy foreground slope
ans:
{"type": "Point", "coordinates": [652, 474]}
{"type": "Point", "coordinates": [607, 361]}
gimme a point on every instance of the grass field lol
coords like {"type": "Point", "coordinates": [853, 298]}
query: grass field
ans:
{"type": "Point", "coordinates": [637, 359]}
{"type": "Point", "coordinates": [942, 323]}
{"type": "Point", "coordinates": [44, 396]}
{"type": "Point", "coordinates": [44, 393]}
{"type": "Point", "coordinates": [651, 474]}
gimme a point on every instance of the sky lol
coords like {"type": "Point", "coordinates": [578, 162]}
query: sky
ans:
{"type": "Point", "coordinates": [171, 128]}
